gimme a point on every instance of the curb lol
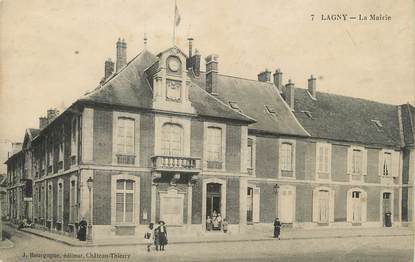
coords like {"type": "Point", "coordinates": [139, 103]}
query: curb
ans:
{"type": "Point", "coordinates": [205, 241]}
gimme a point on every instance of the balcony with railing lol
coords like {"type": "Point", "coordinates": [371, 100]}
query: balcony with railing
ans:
{"type": "Point", "coordinates": [176, 164]}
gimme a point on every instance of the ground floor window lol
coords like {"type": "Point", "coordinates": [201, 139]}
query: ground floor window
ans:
{"type": "Point", "coordinates": [356, 206]}
{"type": "Point", "coordinates": [323, 205]}
{"type": "Point", "coordinates": [125, 199]}
{"type": "Point", "coordinates": [286, 204]}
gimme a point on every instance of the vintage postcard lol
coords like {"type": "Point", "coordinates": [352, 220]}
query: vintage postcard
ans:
{"type": "Point", "coordinates": [220, 130]}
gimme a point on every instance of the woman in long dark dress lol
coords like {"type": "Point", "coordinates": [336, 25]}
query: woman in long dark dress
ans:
{"type": "Point", "coordinates": [277, 228]}
{"type": "Point", "coordinates": [162, 235]}
{"type": "Point", "coordinates": [82, 229]}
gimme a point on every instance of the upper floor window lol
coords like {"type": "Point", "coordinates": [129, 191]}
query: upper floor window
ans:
{"type": "Point", "coordinates": [125, 136]}
{"type": "Point", "coordinates": [214, 144]}
{"type": "Point", "coordinates": [124, 210]}
{"type": "Point", "coordinates": [323, 157]}
{"type": "Point", "coordinates": [387, 164]}
{"type": "Point", "coordinates": [286, 157]}
{"type": "Point", "coordinates": [74, 140]}
{"type": "Point", "coordinates": [61, 150]}
{"type": "Point", "coordinates": [172, 140]}
{"type": "Point", "coordinates": [250, 155]}
{"type": "Point", "coordinates": [357, 162]}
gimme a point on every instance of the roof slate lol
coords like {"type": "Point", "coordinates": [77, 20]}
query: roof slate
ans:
{"type": "Point", "coordinates": [252, 97]}
{"type": "Point", "coordinates": [130, 88]}
{"type": "Point", "coordinates": [348, 119]}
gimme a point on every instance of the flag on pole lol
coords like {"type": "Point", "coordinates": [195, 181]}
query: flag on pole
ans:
{"type": "Point", "coordinates": [177, 17]}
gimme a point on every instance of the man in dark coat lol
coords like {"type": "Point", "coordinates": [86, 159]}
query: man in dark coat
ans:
{"type": "Point", "coordinates": [277, 228]}
{"type": "Point", "coordinates": [82, 229]}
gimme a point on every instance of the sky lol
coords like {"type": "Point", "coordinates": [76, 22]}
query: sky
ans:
{"type": "Point", "coordinates": [52, 52]}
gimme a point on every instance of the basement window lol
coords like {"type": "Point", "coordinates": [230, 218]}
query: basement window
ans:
{"type": "Point", "coordinates": [307, 113]}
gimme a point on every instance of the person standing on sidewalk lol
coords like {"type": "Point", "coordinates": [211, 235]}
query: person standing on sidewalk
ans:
{"type": "Point", "coordinates": [149, 236]}
{"type": "Point", "coordinates": [162, 235]}
{"type": "Point", "coordinates": [277, 228]}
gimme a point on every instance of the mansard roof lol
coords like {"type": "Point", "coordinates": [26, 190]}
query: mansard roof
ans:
{"type": "Point", "coordinates": [260, 101]}
{"type": "Point", "coordinates": [130, 88]}
{"type": "Point", "coordinates": [349, 119]}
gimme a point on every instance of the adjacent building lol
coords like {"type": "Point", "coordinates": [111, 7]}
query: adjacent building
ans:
{"type": "Point", "coordinates": [159, 139]}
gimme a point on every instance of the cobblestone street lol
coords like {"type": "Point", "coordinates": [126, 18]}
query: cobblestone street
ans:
{"type": "Point", "coordinates": [382, 248]}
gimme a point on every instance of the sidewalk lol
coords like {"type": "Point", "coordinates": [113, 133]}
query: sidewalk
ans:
{"type": "Point", "coordinates": [6, 244]}
{"type": "Point", "coordinates": [287, 234]}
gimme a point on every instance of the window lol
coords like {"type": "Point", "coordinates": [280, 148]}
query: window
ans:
{"type": "Point", "coordinates": [286, 157]}
{"type": "Point", "coordinates": [323, 160]}
{"type": "Point", "coordinates": [50, 161]}
{"type": "Point", "coordinates": [357, 161]}
{"type": "Point", "coordinates": [50, 202]}
{"type": "Point", "coordinates": [124, 210]}
{"type": "Point", "coordinates": [125, 136]}
{"type": "Point", "coordinates": [172, 140]}
{"type": "Point", "coordinates": [60, 162]}
{"type": "Point", "coordinates": [250, 155]}
{"type": "Point", "coordinates": [73, 207]}
{"type": "Point", "coordinates": [125, 141]}
{"type": "Point", "coordinates": [60, 201]}
{"type": "Point", "coordinates": [74, 140]}
{"type": "Point", "coordinates": [387, 164]}
{"type": "Point", "coordinates": [214, 144]}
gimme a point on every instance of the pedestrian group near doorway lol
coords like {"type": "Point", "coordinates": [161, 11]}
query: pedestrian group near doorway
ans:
{"type": "Point", "coordinates": [156, 236]}
{"type": "Point", "coordinates": [216, 222]}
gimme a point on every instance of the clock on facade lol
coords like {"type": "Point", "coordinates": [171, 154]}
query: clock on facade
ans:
{"type": "Point", "coordinates": [173, 64]}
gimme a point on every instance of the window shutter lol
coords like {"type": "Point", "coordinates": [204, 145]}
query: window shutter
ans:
{"type": "Point", "coordinates": [364, 206]}
{"type": "Point", "coordinates": [395, 163]}
{"type": "Point", "coordinates": [315, 205]}
{"type": "Point", "coordinates": [329, 158]}
{"type": "Point", "coordinates": [380, 169]}
{"type": "Point", "coordinates": [349, 160]}
{"type": "Point", "coordinates": [256, 204]}
{"type": "Point", "coordinates": [364, 162]}
{"type": "Point", "coordinates": [349, 207]}
{"type": "Point", "coordinates": [331, 206]}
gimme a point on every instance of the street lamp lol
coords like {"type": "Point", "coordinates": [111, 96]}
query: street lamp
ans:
{"type": "Point", "coordinates": [90, 183]}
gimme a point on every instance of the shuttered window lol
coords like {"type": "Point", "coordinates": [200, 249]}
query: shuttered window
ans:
{"type": "Point", "coordinates": [60, 201]}
{"type": "Point", "coordinates": [172, 140]}
{"type": "Point", "coordinates": [387, 164]}
{"type": "Point", "coordinates": [214, 144]}
{"type": "Point", "coordinates": [125, 136]}
{"type": "Point", "coordinates": [124, 195]}
{"type": "Point", "coordinates": [286, 157]}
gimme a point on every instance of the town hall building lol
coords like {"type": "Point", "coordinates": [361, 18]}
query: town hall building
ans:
{"type": "Point", "coordinates": [159, 139]}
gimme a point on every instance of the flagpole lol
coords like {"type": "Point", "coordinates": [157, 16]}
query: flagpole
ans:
{"type": "Point", "coordinates": [174, 24]}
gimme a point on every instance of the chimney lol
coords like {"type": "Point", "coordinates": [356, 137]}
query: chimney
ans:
{"type": "Point", "coordinates": [52, 114]}
{"type": "Point", "coordinates": [289, 94]}
{"type": "Point", "coordinates": [212, 74]}
{"type": "Point", "coordinates": [312, 86]}
{"type": "Point", "coordinates": [43, 121]}
{"type": "Point", "coordinates": [264, 76]}
{"type": "Point", "coordinates": [278, 79]}
{"type": "Point", "coordinates": [109, 68]}
{"type": "Point", "coordinates": [121, 54]}
{"type": "Point", "coordinates": [193, 62]}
